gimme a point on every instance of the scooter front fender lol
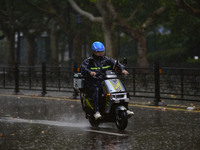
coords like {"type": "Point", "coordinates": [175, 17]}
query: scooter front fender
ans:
{"type": "Point", "coordinates": [120, 108]}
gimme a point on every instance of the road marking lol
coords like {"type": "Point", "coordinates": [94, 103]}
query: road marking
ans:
{"type": "Point", "coordinates": [108, 133]}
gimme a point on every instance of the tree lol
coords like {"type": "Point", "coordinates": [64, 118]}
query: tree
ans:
{"type": "Point", "coordinates": [137, 31]}
{"type": "Point", "coordinates": [105, 20]}
{"type": "Point", "coordinates": [192, 9]}
{"type": "Point", "coordinates": [59, 12]}
{"type": "Point", "coordinates": [33, 23]}
{"type": "Point", "coordinates": [53, 12]}
{"type": "Point", "coordinates": [8, 25]}
{"type": "Point", "coordinates": [17, 17]}
{"type": "Point", "coordinates": [186, 25]}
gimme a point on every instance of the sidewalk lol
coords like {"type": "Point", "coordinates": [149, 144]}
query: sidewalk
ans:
{"type": "Point", "coordinates": [134, 101]}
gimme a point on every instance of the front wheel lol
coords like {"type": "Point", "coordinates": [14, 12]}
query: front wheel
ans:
{"type": "Point", "coordinates": [93, 122]}
{"type": "Point", "coordinates": [121, 120]}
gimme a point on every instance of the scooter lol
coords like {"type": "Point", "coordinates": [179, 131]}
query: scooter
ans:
{"type": "Point", "coordinates": [114, 102]}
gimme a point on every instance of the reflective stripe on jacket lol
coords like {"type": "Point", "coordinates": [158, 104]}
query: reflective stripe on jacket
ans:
{"type": "Point", "coordinates": [96, 64]}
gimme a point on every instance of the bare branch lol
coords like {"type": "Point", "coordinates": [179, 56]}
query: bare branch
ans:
{"type": "Point", "coordinates": [84, 13]}
{"type": "Point", "coordinates": [184, 5]}
{"type": "Point", "coordinates": [101, 7]}
{"type": "Point", "coordinates": [198, 2]}
{"type": "Point", "coordinates": [149, 20]}
{"type": "Point", "coordinates": [126, 28]}
{"type": "Point", "coordinates": [2, 37]}
{"type": "Point", "coordinates": [50, 12]}
{"type": "Point", "coordinates": [135, 11]}
{"type": "Point", "coordinates": [3, 14]}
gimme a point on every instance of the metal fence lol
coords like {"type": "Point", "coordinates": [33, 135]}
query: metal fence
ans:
{"type": "Point", "coordinates": [165, 83]}
{"type": "Point", "coordinates": [158, 83]}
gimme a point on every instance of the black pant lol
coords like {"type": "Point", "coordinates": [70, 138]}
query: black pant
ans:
{"type": "Point", "coordinates": [95, 92]}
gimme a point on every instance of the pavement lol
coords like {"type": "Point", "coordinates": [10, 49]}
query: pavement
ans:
{"type": "Point", "coordinates": [134, 101]}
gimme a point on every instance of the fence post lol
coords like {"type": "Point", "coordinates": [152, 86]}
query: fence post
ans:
{"type": "Point", "coordinates": [4, 77]}
{"type": "Point", "coordinates": [59, 78]}
{"type": "Point", "coordinates": [182, 85]}
{"type": "Point", "coordinates": [16, 74]}
{"type": "Point", "coordinates": [157, 72]}
{"type": "Point", "coordinates": [44, 79]}
{"type": "Point", "coordinates": [134, 81]}
{"type": "Point", "coordinates": [30, 77]}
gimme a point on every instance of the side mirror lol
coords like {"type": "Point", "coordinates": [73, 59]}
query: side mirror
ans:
{"type": "Point", "coordinates": [125, 61]}
{"type": "Point", "coordinates": [115, 67]}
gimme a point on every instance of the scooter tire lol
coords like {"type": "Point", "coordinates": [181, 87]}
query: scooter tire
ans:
{"type": "Point", "coordinates": [93, 122]}
{"type": "Point", "coordinates": [121, 120]}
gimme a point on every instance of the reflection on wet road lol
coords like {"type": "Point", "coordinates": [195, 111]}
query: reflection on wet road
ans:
{"type": "Point", "coordinates": [59, 125]}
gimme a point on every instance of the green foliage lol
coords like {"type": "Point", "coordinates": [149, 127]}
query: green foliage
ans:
{"type": "Point", "coordinates": [168, 57]}
{"type": "Point", "coordinates": [191, 60]}
{"type": "Point", "coordinates": [177, 55]}
{"type": "Point", "coordinates": [182, 41]}
{"type": "Point", "coordinates": [93, 1]}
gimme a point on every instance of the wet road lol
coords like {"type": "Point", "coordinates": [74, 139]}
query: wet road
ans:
{"type": "Point", "coordinates": [46, 124]}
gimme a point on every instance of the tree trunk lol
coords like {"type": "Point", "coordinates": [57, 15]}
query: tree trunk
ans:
{"type": "Point", "coordinates": [70, 48]}
{"type": "Point", "coordinates": [77, 49]}
{"type": "Point", "coordinates": [107, 29]}
{"type": "Point", "coordinates": [11, 49]}
{"type": "Point", "coordinates": [54, 45]}
{"type": "Point", "coordinates": [31, 49]}
{"type": "Point", "coordinates": [106, 21]}
{"type": "Point", "coordinates": [136, 33]}
{"type": "Point", "coordinates": [142, 51]}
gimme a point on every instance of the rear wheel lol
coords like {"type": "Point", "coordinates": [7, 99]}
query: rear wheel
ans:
{"type": "Point", "coordinates": [121, 120]}
{"type": "Point", "coordinates": [83, 101]}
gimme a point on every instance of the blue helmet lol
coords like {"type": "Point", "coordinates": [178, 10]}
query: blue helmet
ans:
{"type": "Point", "coordinates": [98, 46]}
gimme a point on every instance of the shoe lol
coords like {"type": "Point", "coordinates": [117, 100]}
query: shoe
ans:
{"type": "Point", "coordinates": [131, 113]}
{"type": "Point", "coordinates": [97, 115]}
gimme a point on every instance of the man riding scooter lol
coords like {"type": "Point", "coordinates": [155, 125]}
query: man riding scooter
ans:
{"type": "Point", "coordinates": [89, 68]}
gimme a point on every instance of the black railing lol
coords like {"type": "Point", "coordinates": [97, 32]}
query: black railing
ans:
{"type": "Point", "coordinates": [157, 83]}
{"type": "Point", "coordinates": [165, 83]}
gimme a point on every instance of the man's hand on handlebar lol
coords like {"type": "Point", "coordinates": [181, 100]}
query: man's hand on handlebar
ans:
{"type": "Point", "coordinates": [125, 72]}
{"type": "Point", "coordinates": [92, 73]}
